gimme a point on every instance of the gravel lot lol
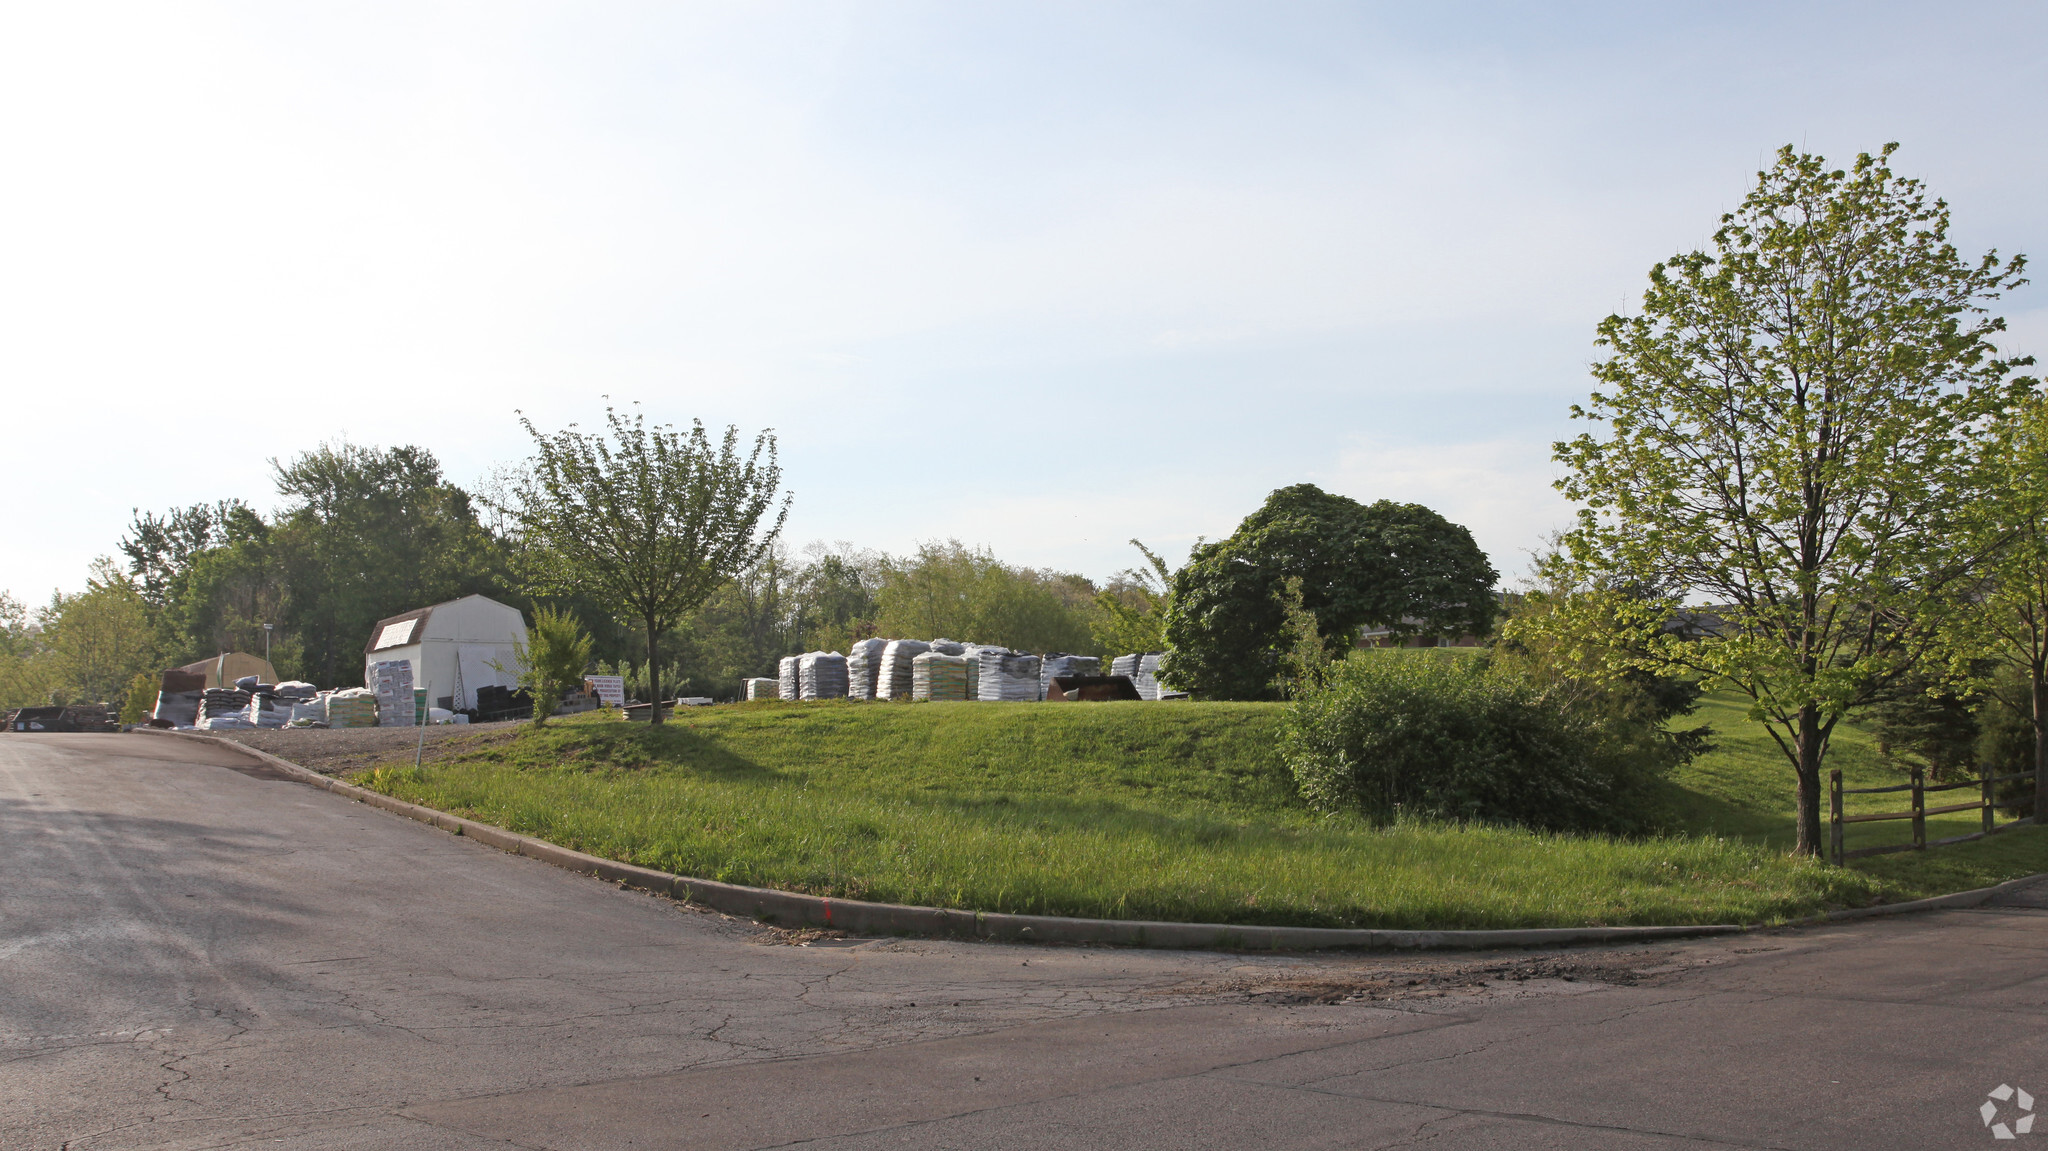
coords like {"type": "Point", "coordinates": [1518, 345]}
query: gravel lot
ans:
{"type": "Point", "coordinates": [338, 751]}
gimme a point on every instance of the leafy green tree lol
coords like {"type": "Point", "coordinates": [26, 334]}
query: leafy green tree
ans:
{"type": "Point", "coordinates": [1792, 425]}
{"type": "Point", "coordinates": [1130, 613]}
{"type": "Point", "coordinates": [648, 522]}
{"type": "Point", "coordinates": [1399, 566]}
{"type": "Point", "coordinates": [99, 639]}
{"type": "Point", "coordinates": [951, 590]}
{"type": "Point", "coordinates": [836, 595]}
{"type": "Point", "coordinates": [2009, 617]}
{"type": "Point", "coordinates": [1922, 717]}
{"type": "Point", "coordinates": [26, 675]}
{"type": "Point", "coordinates": [365, 533]}
{"type": "Point", "coordinates": [368, 533]}
{"type": "Point", "coordinates": [552, 660]}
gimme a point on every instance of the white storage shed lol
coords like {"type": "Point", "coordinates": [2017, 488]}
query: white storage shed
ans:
{"type": "Point", "coordinates": [454, 648]}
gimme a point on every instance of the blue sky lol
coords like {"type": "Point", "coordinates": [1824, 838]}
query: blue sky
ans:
{"type": "Point", "coordinates": [1041, 277]}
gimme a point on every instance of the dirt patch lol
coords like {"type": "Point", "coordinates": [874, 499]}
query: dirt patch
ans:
{"type": "Point", "coordinates": [1426, 977]}
{"type": "Point", "coordinates": [340, 751]}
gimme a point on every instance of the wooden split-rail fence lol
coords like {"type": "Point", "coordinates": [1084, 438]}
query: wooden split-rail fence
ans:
{"type": "Point", "coordinates": [1984, 803]}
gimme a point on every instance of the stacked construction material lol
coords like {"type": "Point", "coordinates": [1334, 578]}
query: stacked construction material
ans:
{"type": "Point", "coordinates": [821, 675]}
{"type": "Point", "coordinates": [785, 676]}
{"type": "Point", "coordinates": [356, 707]}
{"type": "Point", "coordinates": [178, 707]}
{"type": "Point", "coordinates": [223, 708]}
{"type": "Point", "coordinates": [177, 699]}
{"type": "Point", "coordinates": [863, 660]}
{"type": "Point", "coordinates": [296, 691]}
{"type": "Point", "coordinates": [494, 703]}
{"type": "Point", "coordinates": [391, 682]}
{"type": "Point", "coordinates": [949, 647]}
{"type": "Point", "coordinates": [265, 709]}
{"type": "Point", "coordinates": [1007, 675]}
{"type": "Point", "coordinates": [894, 670]}
{"type": "Point", "coordinates": [1059, 663]}
{"type": "Point", "coordinates": [937, 676]}
{"type": "Point", "coordinates": [764, 687]}
{"type": "Point", "coordinates": [1143, 670]}
{"type": "Point", "coordinates": [1147, 679]}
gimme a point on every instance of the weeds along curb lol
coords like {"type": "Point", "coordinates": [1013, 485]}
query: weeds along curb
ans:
{"type": "Point", "coordinates": [789, 909]}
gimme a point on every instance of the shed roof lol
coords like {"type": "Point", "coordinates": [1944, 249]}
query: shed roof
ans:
{"type": "Point", "coordinates": [392, 631]}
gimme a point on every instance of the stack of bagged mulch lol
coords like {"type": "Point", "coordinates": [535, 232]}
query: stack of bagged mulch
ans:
{"type": "Point", "coordinates": [785, 676]}
{"type": "Point", "coordinates": [863, 662]}
{"type": "Point", "coordinates": [1143, 670]}
{"type": "Point", "coordinates": [1058, 664]}
{"type": "Point", "coordinates": [821, 675]}
{"type": "Point", "coordinates": [1147, 679]}
{"type": "Point", "coordinates": [224, 709]}
{"type": "Point", "coordinates": [353, 707]}
{"type": "Point", "coordinates": [764, 687]}
{"type": "Point", "coordinates": [1007, 675]}
{"type": "Point", "coordinates": [937, 676]}
{"type": "Point", "coordinates": [893, 674]}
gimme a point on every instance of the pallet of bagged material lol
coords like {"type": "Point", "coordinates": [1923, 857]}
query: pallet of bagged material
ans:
{"type": "Point", "coordinates": [821, 675]}
{"type": "Point", "coordinates": [937, 676]}
{"type": "Point", "coordinates": [893, 680]}
{"type": "Point", "coordinates": [863, 662]}
{"type": "Point", "coordinates": [1007, 676]}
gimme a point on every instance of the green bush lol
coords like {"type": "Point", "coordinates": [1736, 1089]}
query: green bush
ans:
{"type": "Point", "coordinates": [1445, 735]}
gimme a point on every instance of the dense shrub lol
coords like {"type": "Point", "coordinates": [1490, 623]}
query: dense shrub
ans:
{"type": "Point", "coordinates": [1447, 736]}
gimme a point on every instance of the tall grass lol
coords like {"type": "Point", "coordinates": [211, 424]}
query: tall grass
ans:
{"type": "Point", "coordinates": [1166, 811]}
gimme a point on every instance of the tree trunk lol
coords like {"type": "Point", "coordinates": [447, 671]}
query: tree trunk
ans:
{"type": "Point", "coordinates": [2040, 750]}
{"type": "Point", "coordinates": [653, 673]}
{"type": "Point", "coordinates": [1808, 746]}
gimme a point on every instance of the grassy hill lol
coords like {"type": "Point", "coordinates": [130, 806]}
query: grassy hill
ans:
{"type": "Point", "coordinates": [1744, 787]}
{"type": "Point", "coordinates": [1166, 811]}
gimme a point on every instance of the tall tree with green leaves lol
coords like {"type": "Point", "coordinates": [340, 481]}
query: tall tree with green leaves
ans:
{"type": "Point", "coordinates": [1793, 423]}
{"type": "Point", "coordinates": [367, 533]}
{"type": "Point", "coordinates": [648, 521]}
{"type": "Point", "coordinates": [99, 639]}
{"type": "Point", "coordinates": [1130, 613]}
{"type": "Point", "coordinates": [1399, 566]}
{"type": "Point", "coordinates": [959, 592]}
{"type": "Point", "coordinates": [2009, 622]}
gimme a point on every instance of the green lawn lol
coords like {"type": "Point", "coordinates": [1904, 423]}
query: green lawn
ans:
{"type": "Point", "coordinates": [1745, 788]}
{"type": "Point", "coordinates": [1168, 811]}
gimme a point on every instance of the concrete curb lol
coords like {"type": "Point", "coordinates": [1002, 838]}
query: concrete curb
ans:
{"type": "Point", "coordinates": [789, 909]}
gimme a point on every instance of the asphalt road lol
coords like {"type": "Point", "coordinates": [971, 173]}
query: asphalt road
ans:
{"type": "Point", "coordinates": [195, 956]}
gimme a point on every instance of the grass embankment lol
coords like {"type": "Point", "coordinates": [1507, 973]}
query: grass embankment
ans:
{"type": "Point", "coordinates": [1744, 788]}
{"type": "Point", "coordinates": [1176, 811]}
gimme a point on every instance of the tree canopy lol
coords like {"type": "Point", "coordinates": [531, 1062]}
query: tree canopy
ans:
{"type": "Point", "coordinates": [1398, 566]}
{"type": "Point", "coordinates": [1793, 425]}
{"type": "Point", "coordinates": [648, 522]}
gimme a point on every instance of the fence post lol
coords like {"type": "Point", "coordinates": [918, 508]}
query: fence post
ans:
{"type": "Point", "coordinates": [1835, 815]}
{"type": "Point", "coordinates": [1919, 810]}
{"type": "Point", "coordinates": [1990, 795]}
